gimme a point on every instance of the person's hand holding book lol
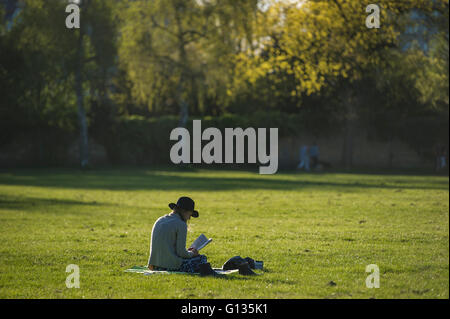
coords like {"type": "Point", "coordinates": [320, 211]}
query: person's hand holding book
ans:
{"type": "Point", "coordinates": [195, 251]}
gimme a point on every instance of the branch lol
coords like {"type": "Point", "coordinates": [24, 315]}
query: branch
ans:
{"type": "Point", "coordinates": [192, 33]}
{"type": "Point", "coordinates": [341, 11]}
{"type": "Point", "coordinates": [157, 25]}
{"type": "Point", "coordinates": [92, 58]}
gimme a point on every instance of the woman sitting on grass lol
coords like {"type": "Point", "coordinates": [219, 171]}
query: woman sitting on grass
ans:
{"type": "Point", "coordinates": [168, 240]}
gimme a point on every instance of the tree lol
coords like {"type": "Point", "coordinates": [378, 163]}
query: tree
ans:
{"type": "Point", "coordinates": [38, 84]}
{"type": "Point", "coordinates": [324, 43]}
{"type": "Point", "coordinates": [61, 65]}
{"type": "Point", "coordinates": [94, 55]}
{"type": "Point", "coordinates": [181, 49]}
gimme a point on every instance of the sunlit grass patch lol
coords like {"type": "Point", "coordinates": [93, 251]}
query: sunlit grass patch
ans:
{"type": "Point", "coordinates": [309, 229]}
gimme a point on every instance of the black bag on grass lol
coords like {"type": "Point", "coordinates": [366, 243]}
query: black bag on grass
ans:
{"type": "Point", "coordinates": [234, 262]}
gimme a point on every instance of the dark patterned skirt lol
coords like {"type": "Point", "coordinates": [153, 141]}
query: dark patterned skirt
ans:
{"type": "Point", "coordinates": [193, 264]}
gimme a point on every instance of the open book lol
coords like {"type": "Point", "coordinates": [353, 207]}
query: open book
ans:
{"type": "Point", "coordinates": [201, 242]}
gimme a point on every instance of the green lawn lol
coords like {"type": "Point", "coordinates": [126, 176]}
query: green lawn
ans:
{"type": "Point", "coordinates": [309, 229]}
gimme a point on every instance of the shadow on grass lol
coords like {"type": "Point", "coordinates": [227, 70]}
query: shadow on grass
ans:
{"type": "Point", "coordinates": [40, 204]}
{"type": "Point", "coordinates": [232, 276]}
{"type": "Point", "coordinates": [192, 180]}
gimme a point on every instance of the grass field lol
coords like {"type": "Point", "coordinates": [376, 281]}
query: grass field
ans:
{"type": "Point", "coordinates": [309, 229]}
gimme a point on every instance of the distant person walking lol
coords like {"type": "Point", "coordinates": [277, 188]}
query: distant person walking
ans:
{"type": "Point", "coordinates": [437, 156]}
{"type": "Point", "coordinates": [441, 157]}
{"type": "Point", "coordinates": [314, 154]}
{"type": "Point", "coordinates": [304, 158]}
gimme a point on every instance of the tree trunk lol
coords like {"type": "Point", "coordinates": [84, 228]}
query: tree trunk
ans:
{"type": "Point", "coordinates": [39, 132]}
{"type": "Point", "coordinates": [84, 145]}
{"type": "Point", "coordinates": [350, 118]}
{"type": "Point", "coordinates": [391, 153]}
{"type": "Point", "coordinates": [348, 145]}
{"type": "Point", "coordinates": [181, 94]}
{"type": "Point", "coordinates": [184, 106]}
{"type": "Point", "coordinates": [184, 113]}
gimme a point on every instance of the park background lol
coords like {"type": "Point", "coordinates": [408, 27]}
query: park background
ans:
{"type": "Point", "coordinates": [111, 91]}
{"type": "Point", "coordinates": [85, 118]}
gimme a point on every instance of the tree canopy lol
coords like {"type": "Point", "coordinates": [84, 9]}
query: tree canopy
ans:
{"type": "Point", "coordinates": [314, 58]}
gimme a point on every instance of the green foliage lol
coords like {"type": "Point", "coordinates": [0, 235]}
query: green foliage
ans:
{"type": "Point", "coordinates": [321, 42]}
{"type": "Point", "coordinates": [38, 64]}
{"type": "Point", "coordinates": [138, 140]}
{"type": "Point", "coordinates": [316, 62]}
{"type": "Point", "coordinates": [433, 81]}
{"type": "Point", "coordinates": [34, 84]}
{"type": "Point", "coordinates": [181, 50]}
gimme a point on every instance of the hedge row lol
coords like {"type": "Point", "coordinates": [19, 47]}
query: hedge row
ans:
{"type": "Point", "coordinates": [140, 140]}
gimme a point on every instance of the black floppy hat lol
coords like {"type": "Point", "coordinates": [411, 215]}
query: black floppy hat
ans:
{"type": "Point", "coordinates": [185, 203]}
